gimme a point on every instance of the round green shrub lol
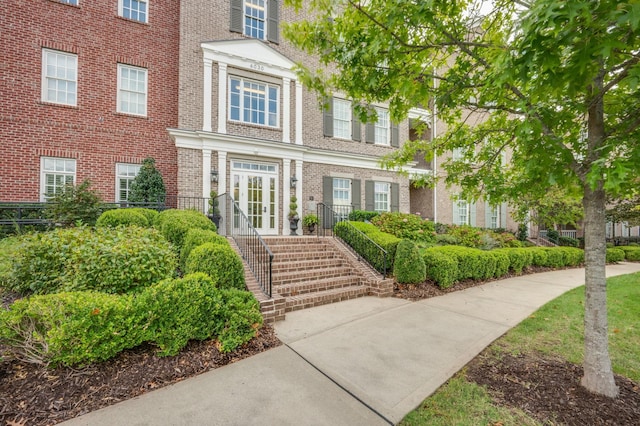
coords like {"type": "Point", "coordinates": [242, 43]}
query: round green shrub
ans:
{"type": "Point", "coordinates": [122, 217]}
{"type": "Point", "coordinates": [196, 237]}
{"type": "Point", "coordinates": [440, 268]}
{"type": "Point", "coordinates": [150, 214]}
{"type": "Point", "coordinates": [540, 257]}
{"type": "Point", "coordinates": [111, 260]}
{"type": "Point", "coordinates": [409, 267]}
{"type": "Point", "coordinates": [614, 255]}
{"type": "Point", "coordinates": [241, 318]}
{"type": "Point", "coordinates": [519, 258]}
{"type": "Point", "coordinates": [174, 224]}
{"type": "Point", "coordinates": [571, 256]}
{"type": "Point", "coordinates": [218, 261]}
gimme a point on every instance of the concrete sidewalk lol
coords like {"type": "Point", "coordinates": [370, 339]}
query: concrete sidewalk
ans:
{"type": "Point", "coordinates": [366, 361]}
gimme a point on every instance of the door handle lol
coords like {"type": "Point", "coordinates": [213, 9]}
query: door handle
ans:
{"type": "Point", "coordinates": [264, 209]}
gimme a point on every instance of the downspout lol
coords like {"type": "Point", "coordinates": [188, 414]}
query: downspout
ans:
{"type": "Point", "coordinates": [434, 133]}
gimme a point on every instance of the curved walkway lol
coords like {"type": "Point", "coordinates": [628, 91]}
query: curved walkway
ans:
{"type": "Point", "coordinates": [366, 361]}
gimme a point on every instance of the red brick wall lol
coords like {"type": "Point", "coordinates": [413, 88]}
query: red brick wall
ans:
{"type": "Point", "coordinates": [92, 132]}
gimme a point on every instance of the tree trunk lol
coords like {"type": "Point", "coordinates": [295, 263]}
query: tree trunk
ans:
{"type": "Point", "coordinates": [598, 375]}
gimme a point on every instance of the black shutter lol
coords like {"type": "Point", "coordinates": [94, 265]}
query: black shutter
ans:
{"type": "Point", "coordinates": [236, 16]}
{"type": "Point", "coordinates": [370, 133]}
{"type": "Point", "coordinates": [355, 194]}
{"type": "Point", "coordinates": [356, 132]}
{"type": "Point", "coordinates": [369, 195]}
{"type": "Point", "coordinates": [395, 135]}
{"type": "Point", "coordinates": [395, 197]}
{"type": "Point", "coordinates": [327, 117]}
{"type": "Point", "coordinates": [272, 21]}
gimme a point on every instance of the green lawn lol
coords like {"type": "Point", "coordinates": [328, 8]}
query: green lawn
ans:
{"type": "Point", "coordinates": [555, 329]}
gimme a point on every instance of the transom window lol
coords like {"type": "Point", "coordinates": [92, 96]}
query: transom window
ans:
{"type": "Point", "coordinates": [255, 18]}
{"type": "Point", "coordinates": [132, 90]}
{"type": "Point", "coordinates": [125, 174]}
{"type": "Point", "coordinates": [253, 102]}
{"type": "Point", "coordinates": [56, 173]}
{"type": "Point", "coordinates": [381, 196]}
{"type": "Point", "coordinates": [382, 127]}
{"type": "Point", "coordinates": [59, 77]}
{"type": "Point", "coordinates": [463, 213]}
{"type": "Point", "coordinates": [341, 119]}
{"type": "Point", "coordinates": [341, 192]}
{"type": "Point", "coordinates": [261, 167]}
{"type": "Point", "coordinates": [136, 10]}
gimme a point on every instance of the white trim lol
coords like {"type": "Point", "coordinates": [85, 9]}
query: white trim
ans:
{"type": "Point", "coordinates": [299, 175]}
{"type": "Point", "coordinates": [207, 102]}
{"type": "Point", "coordinates": [286, 112]}
{"type": "Point", "coordinates": [222, 173]}
{"type": "Point", "coordinates": [298, 113]}
{"type": "Point", "coordinates": [44, 81]}
{"type": "Point", "coordinates": [121, 66]}
{"type": "Point", "coordinates": [206, 172]}
{"type": "Point", "coordinates": [121, 11]}
{"type": "Point", "coordinates": [286, 196]}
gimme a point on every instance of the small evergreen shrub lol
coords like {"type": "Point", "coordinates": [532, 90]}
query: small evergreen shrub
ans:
{"type": "Point", "coordinates": [150, 214]}
{"type": "Point", "coordinates": [111, 260]}
{"type": "Point", "coordinates": [75, 205]}
{"type": "Point", "coordinates": [540, 256]}
{"type": "Point", "coordinates": [555, 259]}
{"type": "Point", "coordinates": [407, 226]}
{"type": "Point", "coordinates": [441, 268]}
{"type": "Point", "coordinates": [571, 256]}
{"type": "Point", "coordinates": [502, 263]}
{"type": "Point", "coordinates": [409, 267]}
{"type": "Point", "coordinates": [519, 258]}
{"type": "Point", "coordinates": [568, 241]}
{"type": "Point", "coordinates": [218, 261]}
{"type": "Point", "coordinates": [369, 252]}
{"type": "Point", "coordinates": [467, 236]}
{"type": "Point", "coordinates": [174, 224]}
{"type": "Point", "coordinates": [631, 253]}
{"type": "Point", "coordinates": [196, 237]}
{"type": "Point", "coordinates": [473, 263]}
{"type": "Point", "coordinates": [74, 328]}
{"type": "Point", "coordinates": [148, 186]}
{"type": "Point", "coordinates": [241, 318]}
{"type": "Point", "coordinates": [362, 215]}
{"type": "Point", "coordinates": [523, 232]}
{"type": "Point", "coordinates": [122, 217]}
{"type": "Point", "coordinates": [614, 255]}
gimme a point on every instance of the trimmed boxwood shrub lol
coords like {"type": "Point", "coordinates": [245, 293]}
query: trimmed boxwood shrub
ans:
{"type": "Point", "coordinates": [122, 217]}
{"type": "Point", "coordinates": [196, 237]}
{"type": "Point", "coordinates": [440, 267]}
{"type": "Point", "coordinates": [502, 263]}
{"type": "Point", "coordinates": [555, 258]}
{"type": "Point", "coordinates": [218, 261]}
{"type": "Point", "coordinates": [519, 258]}
{"type": "Point", "coordinates": [540, 256]}
{"type": "Point", "coordinates": [409, 267]}
{"type": "Point", "coordinates": [362, 215]}
{"type": "Point", "coordinates": [614, 255]}
{"type": "Point", "coordinates": [631, 253]}
{"type": "Point", "coordinates": [571, 256]}
{"type": "Point", "coordinates": [387, 241]}
{"type": "Point", "coordinates": [174, 224]}
{"type": "Point", "coordinates": [111, 260]}
{"type": "Point", "coordinates": [473, 263]}
{"type": "Point", "coordinates": [150, 214]}
{"type": "Point", "coordinates": [405, 225]}
{"type": "Point", "coordinates": [74, 328]}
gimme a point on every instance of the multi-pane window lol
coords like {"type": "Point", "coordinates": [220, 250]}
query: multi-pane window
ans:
{"type": "Point", "coordinates": [132, 90]}
{"type": "Point", "coordinates": [382, 127]}
{"type": "Point", "coordinates": [59, 77]}
{"type": "Point", "coordinates": [73, 2]}
{"type": "Point", "coordinates": [381, 196]}
{"type": "Point", "coordinates": [255, 18]}
{"type": "Point", "coordinates": [494, 217]}
{"type": "Point", "coordinates": [55, 174]}
{"type": "Point", "coordinates": [341, 118]}
{"type": "Point", "coordinates": [463, 213]}
{"type": "Point", "coordinates": [253, 102]}
{"type": "Point", "coordinates": [341, 192]}
{"type": "Point", "coordinates": [136, 10]}
{"type": "Point", "coordinates": [125, 173]}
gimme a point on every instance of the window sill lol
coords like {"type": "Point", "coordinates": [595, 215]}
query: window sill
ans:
{"type": "Point", "coordinates": [47, 103]}
{"type": "Point", "coordinates": [126, 114]}
{"type": "Point", "coordinates": [66, 4]}
{"type": "Point", "coordinates": [146, 24]}
{"type": "Point", "coordinates": [255, 126]}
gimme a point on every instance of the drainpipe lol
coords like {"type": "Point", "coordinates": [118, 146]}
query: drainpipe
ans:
{"type": "Point", "coordinates": [434, 133]}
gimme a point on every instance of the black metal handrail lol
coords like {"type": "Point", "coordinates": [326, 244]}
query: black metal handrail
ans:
{"type": "Point", "coordinates": [329, 215]}
{"type": "Point", "coordinates": [362, 245]}
{"type": "Point", "coordinates": [235, 223]}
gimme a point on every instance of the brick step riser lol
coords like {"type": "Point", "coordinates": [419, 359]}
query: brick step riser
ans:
{"type": "Point", "coordinates": [307, 278]}
{"type": "Point", "coordinates": [311, 287]}
{"type": "Point", "coordinates": [304, 256]}
{"type": "Point", "coordinates": [298, 249]}
{"type": "Point", "coordinates": [284, 267]}
{"type": "Point", "coordinates": [297, 304]}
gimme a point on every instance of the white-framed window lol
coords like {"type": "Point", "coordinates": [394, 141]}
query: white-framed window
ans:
{"type": "Point", "coordinates": [55, 173]}
{"type": "Point", "coordinates": [341, 118]}
{"type": "Point", "coordinates": [132, 90]}
{"type": "Point", "coordinates": [59, 77]}
{"type": "Point", "coordinates": [341, 192]}
{"type": "Point", "coordinates": [72, 2]}
{"type": "Point", "coordinates": [382, 195]}
{"type": "Point", "coordinates": [382, 127]}
{"type": "Point", "coordinates": [255, 18]}
{"type": "Point", "coordinates": [463, 213]}
{"type": "Point", "coordinates": [253, 102]}
{"type": "Point", "coordinates": [136, 10]}
{"type": "Point", "coordinates": [458, 154]}
{"type": "Point", "coordinates": [125, 173]}
{"type": "Point", "coordinates": [494, 217]}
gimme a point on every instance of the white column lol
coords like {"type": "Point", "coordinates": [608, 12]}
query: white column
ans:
{"type": "Point", "coordinates": [299, 194]}
{"type": "Point", "coordinates": [298, 113]}
{"type": "Point", "coordinates": [222, 97]}
{"type": "Point", "coordinates": [206, 173]}
{"type": "Point", "coordinates": [206, 104]}
{"type": "Point", "coordinates": [222, 172]}
{"type": "Point", "coordinates": [286, 195]}
{"type": "Point", "coordinates": [286, 110]}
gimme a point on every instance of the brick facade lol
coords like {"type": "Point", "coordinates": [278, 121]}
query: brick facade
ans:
{"type": "Point", "coordinates": [92, 132]}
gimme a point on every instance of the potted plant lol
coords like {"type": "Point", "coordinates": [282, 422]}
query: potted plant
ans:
{"type": "Point", "coordinates": [214, 210]}
{"type": "Point", "coordinates": [293, 215]}
{"type": "Point", "coordinates": [310, 221]}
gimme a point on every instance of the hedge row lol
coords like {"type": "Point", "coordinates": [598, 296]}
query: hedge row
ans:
{"type": "Point", "coordinates": [78, 328]}
{"type": "Point", "coordinates": [447, 264]}
{"type": "Point", "coordinates": [111, 260]}
{"type": "Point", "coordinates": [174, 224]}
{"type": "Point", "coordinates": [369, 252]}
{"type": "Point", "coordinates": [631, 253]}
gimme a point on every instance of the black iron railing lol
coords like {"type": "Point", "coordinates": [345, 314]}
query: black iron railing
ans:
{"type": "Point", "coordinates": [362, 246]}
{"type": "Point", "coordinates": [15, 216]}
{"type": "Point", "coordinates": [234, 223]}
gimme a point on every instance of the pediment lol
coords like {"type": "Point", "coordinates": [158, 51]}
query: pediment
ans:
{"type": "Point", "coordinates": [246, 52]}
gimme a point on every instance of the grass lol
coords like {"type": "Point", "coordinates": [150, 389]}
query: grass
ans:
{"type": "Point", "coordinates": [556, 329]}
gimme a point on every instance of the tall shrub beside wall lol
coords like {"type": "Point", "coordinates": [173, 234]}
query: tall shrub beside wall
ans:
{"type": "Point", "coordinates": [409, 267]}
{"type": "Point", "coordinates": [441, 268]}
